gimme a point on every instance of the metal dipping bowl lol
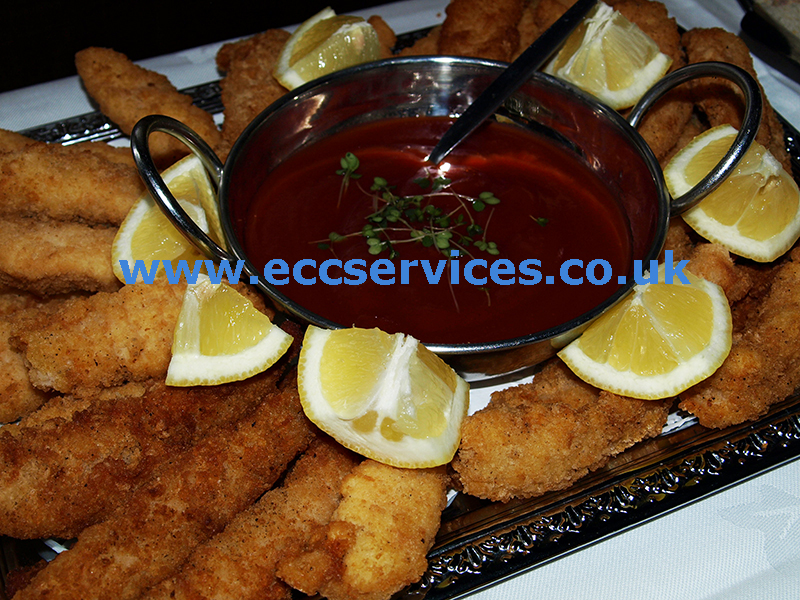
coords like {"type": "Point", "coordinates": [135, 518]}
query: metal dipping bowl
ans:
{"type": "Point", "coordinates": [445, 86]}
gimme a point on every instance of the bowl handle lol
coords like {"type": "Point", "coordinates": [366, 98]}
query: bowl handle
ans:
{"type": "Point", "coordinates": [158, 189]}
{"type": "Point", "coordinates": [747, 133]}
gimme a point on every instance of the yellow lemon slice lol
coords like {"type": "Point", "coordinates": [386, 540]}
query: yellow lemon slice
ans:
{"type": "Point", "coordinates": [325, 43]}
{"type": "Point", "coordinates": [611, 58]}
{"type": "Point", "coordinates": [384, 396]}
{"type": "Point", "coordinates": [147, 235]}
{"type": "Point", "coordinates": [755, 213]}
{"type": "Point", "coordinates": [661, 339]}
{"type": "Point", "coordinates": [221, 337]}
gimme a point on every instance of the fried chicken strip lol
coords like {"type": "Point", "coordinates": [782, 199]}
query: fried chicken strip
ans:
{"type": "Point", "coordinates": [240, 562]}
{"type": "Point", "coordinates": [386, 35]}
{"type": "Point", "coordinates": [102, 340]}
{"type": "Point", "coordinates": [545, 435]}
{"type": "Point", "coordinates": [710, 261]}
{"type": "Point", "coordinates": [67, 183]}
{"type": "Point", "coordinates": [55, 257]}
{"type": "Point", "coordinates": [17, 396]}
{"type": "Point", "coordinates": [481, 29]}
{"type": "Point", "coordinates": [74, 461]}
{"type": "Point", "coordinates": [189, 500]}
{"type": "Point", "coordinates": [543, 13]}
{"type": "Point", "coordinates": [127, 92]}
{"type": "Point", "coordinates": [248, 86]}
{"type": "Point", "coordinates": [378, 538]}
{"type": "Point", "coordinates": [763, 367]}
{"type": "Point", "coordinates": [116, 154]}
{"type": "Point", "coordinates": [679, 240]}
{"type": "Point", "coordinates": [13, 300]}
{"type": "Point", "coordinates": [106, 339]}
{"type": "Point", "coordinates": [11, 141]}
{"type": "Point", "coordinates": [527, 27]}
{"type": "Point", "coordinates": [714, 263]}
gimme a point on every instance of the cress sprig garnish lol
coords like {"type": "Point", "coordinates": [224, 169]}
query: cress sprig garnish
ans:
{"type": "Point", "coordinates": [349, 164]}
{"type": "Point", "coordinates": [418, 216]}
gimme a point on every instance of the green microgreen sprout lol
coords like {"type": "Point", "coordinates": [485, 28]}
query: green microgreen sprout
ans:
{"type": "Point", "coordinates": [350, 164]}
{"type": "Point", "coordinates": [417, 218]}
{"type": "Point", "coordinates": [541, 221]}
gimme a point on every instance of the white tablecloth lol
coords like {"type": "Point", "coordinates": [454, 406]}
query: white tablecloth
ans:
{"type": "Point", "coordinates": [743, 543]}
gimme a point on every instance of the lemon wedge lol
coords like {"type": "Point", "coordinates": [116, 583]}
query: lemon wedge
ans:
{"type": "Point", "coordinates": [661, 339]}
{"type": "Point", "coordinates": [384, 396]}
{"type": "Point", "coordinates": [755, 213]}
{"type": "Point", "coordinates": [325, 43]}
{"type": "Point", "coordinates": [220, 337]}
{"type": "Point", "coordinates": [146, 234]}
{"type": "Point", "coordinates": [610, 58]}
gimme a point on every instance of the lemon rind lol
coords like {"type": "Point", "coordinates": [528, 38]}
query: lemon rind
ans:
{"type": "Point", "coordinates": [763, 251]}
{"type": "Point", "coordinates": [665, 385]}
{"type": "Point", "coordinates": [190, 368]}
{"type": "Point", "coordinates": [729, 236]}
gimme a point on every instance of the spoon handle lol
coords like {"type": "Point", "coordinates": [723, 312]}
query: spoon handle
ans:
{"type": "Point", "coordinates": [511, 78]}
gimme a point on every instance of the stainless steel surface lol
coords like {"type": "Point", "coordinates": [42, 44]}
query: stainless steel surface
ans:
{"type": "Point", "coordinates": [509, 80]}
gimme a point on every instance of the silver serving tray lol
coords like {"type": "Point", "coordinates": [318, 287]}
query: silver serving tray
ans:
{"type": "Point", "coordinates": [482, 543]}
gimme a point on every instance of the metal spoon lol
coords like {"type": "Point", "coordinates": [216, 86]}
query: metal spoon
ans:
{"type": "Point", "coordinates": [509, 80]}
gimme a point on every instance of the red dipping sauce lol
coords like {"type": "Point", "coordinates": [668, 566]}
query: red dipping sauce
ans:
{"type": "Point", "coordinates": [552, 208]}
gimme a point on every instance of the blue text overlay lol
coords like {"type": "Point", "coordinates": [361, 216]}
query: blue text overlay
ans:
{"type": "Point", "coordinates": [382, 271]}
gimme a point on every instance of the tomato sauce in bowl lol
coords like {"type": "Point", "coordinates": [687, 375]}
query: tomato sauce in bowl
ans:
{"type": "Point", "coordinates": [552, 209]}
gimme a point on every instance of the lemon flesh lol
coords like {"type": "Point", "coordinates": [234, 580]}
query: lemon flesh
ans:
{"type": "Point", "coordinates": [610, 58]}
{"type": "Point", "coordinates": [662, 339]}
{"type": "Point", "coordinates": [323, 44]}
{"type": "Point", "coordinates": [155, 238]}
{"type": "Point", "coordinates": [384, 396]}
{"type": "Point", "coordinates": [146, 233]}
{"type": "Point", "coordinates": [754, 213]}
{"type": "Point", "coordinates": [221, 337]}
